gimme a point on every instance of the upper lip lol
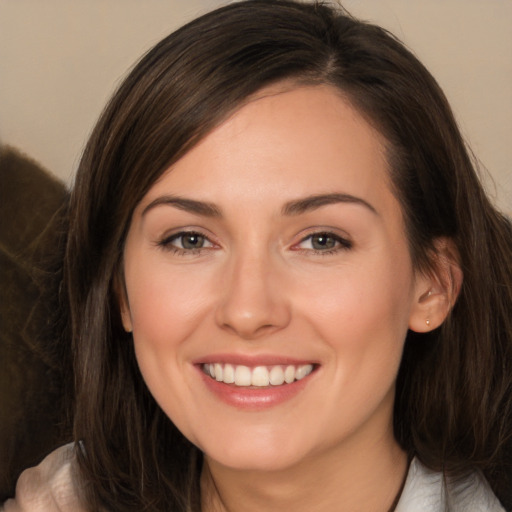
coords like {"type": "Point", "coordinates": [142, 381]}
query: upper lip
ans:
{"type": "Point", "coordinates": [253, 360]}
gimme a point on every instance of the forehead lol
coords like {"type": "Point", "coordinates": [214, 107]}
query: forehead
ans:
{"type": "Point", "coordinates": [285, 141]}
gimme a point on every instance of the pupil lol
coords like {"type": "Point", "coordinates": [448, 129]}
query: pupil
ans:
{"type": "Point", "coordinates": [192, 241]}
{"type": "Point", "coordinates": [323, 241]}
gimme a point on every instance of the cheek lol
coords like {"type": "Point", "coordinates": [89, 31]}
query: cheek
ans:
{"type": "Point", "coordinates": [164, 307]}
{"type": "Point", "coordinates": [164, 313]}
{"type": "Point", "coordinates": [363, 315]}
{"type": "Point", "coordinates": [362, 297]}
{"type": "Point", "coordinates": [165, 310]}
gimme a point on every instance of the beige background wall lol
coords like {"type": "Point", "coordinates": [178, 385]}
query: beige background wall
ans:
{"type": "Point", "coordinates": [61, 59]}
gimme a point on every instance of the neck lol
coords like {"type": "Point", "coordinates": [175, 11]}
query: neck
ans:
{"type": "Point", "coordinates": [353, 478]}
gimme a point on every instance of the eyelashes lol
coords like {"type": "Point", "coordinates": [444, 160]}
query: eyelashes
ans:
{"type": "Point", "coordinates": [186, 242]}
{"type": "Point", "coordinates": [324, 242]}
{"type": "Point", "coordinates": [194, 242]}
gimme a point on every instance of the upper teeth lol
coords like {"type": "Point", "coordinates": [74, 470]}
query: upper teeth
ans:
{"type": "Point", "coordinates": [258, 376]}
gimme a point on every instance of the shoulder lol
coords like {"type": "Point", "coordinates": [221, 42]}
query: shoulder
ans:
{"type": "Point", "coordinates": [48, 487]}
{"type": "Point", "coordinates": [430, 491]}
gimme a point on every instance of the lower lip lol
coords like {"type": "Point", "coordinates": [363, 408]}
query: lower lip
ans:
{"type": "Point", "coordinates": [254, 398]}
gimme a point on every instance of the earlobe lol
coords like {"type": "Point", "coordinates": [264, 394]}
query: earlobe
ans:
{"type": "Point", "coordinates": [126, 317]}
{"type": "Point", "coordinates": [437, 291]}
{"type": "Point", "coordinates": [124, 308]}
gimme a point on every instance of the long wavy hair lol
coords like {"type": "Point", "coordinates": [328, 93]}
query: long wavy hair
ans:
{"type": "Point", "coordinates": [453, 407]}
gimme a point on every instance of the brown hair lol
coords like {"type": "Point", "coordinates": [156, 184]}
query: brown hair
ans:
{"type": "Point", "coordinates": [454, 395]}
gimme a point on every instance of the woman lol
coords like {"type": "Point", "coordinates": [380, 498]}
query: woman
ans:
{"type": "Point", "coordinates": [287, 287]}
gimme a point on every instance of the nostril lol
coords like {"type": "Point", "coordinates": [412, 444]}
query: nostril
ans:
{"type": "Point", "coordinates": [247, 331]}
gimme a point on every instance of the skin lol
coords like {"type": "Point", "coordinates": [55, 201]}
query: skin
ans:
{"type": "Point", "coordinates": [260, 287]}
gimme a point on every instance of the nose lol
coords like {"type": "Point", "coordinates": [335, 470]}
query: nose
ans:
{"type": "Point", "coordinates": [253, 301]}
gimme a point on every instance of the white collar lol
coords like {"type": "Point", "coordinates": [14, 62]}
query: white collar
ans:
{"type": "Point", "coordinates": [430, 491]}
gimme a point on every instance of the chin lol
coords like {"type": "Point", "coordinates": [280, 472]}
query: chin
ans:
{"type": "Point", "coordinates": [271, 460]}
{"type": "Point", "coordinates": [258, 450]}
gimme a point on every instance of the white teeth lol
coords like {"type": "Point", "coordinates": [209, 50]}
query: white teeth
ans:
{"type": "Point", "coordinates": [289, 374]}
{"type": "Point", "coordinates": [259, 376]}
{"type": "Point", "coordinates": [229, 374]}
{"type": "Point", "coordinates": [302, 371]}
{"type": "Point", "coordinates": [218, 372]}
{"type": "Point", "coordinates": [276, 376]}
{"type": "Point", "coordinates": [242, 376]}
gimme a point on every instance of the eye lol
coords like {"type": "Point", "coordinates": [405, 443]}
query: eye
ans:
{"type": "Point", "coordinates": [186, 241]}
{"type": "Point", "coordinates": [324, 242]}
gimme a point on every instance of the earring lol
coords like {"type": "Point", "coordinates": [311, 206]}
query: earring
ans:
{"type": "Point", "coordinates": [427, 321]}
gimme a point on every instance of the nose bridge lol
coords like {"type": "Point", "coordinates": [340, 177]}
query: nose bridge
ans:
{"type": "Point", "coordinates": [252, 301]}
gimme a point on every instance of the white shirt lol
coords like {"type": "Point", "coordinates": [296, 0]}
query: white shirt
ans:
{"type": "Point", "coordinates": [50, 487]}
{"type": "Point", "coordinates": [428, 491]}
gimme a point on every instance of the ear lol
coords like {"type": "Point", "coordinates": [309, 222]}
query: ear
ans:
{"type": "Point", "coordinates": [436, 291]}
{"type": "Point", "coordinates": [122, 300]}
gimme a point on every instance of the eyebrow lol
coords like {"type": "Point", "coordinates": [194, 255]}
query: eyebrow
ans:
{"type": "Point", "coordinates": [306, 204]}
{"type": "Point", "coordinates": [295, 207]}
{"type": "Point", "coordinates": [189, 205]}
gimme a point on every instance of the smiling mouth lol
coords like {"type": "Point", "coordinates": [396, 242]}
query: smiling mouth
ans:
{"type": "Point", "coordinates": [259, 376]}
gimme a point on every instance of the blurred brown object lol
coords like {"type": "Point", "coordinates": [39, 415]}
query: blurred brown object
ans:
{"type": "Point", "coordinates": [34, 364]}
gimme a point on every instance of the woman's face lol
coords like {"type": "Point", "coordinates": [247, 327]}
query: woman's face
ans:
{"type": "Point", "coordinates": [273, 257]}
